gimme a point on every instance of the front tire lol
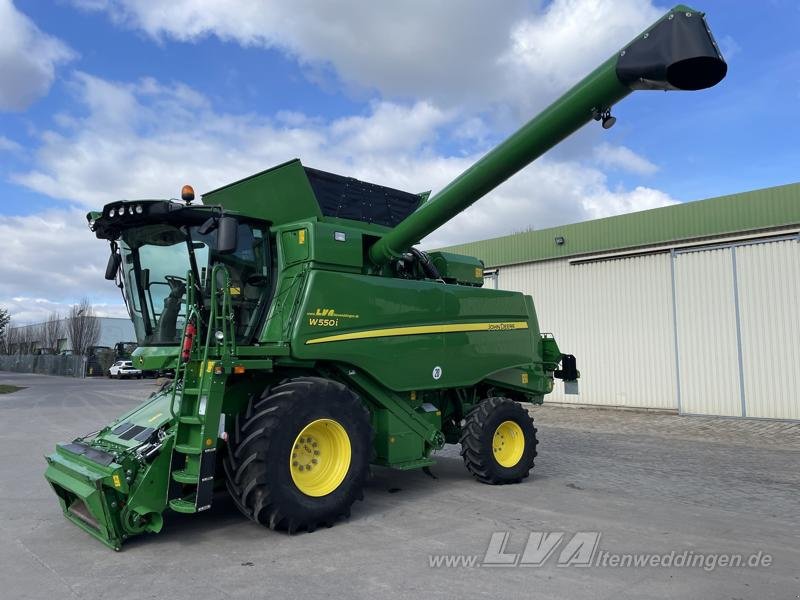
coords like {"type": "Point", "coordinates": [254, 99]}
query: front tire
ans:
{"type": "Point", "coordinates": [498, 441]}
{"type": "Point", "coordinates": [299, 455]}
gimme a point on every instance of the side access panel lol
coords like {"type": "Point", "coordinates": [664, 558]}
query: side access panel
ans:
{"type": "Point", "coordinates": [412, 335]}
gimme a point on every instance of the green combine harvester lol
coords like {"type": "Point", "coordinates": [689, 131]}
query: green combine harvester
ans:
{"type": "Point", "coordinates": [310, 339]}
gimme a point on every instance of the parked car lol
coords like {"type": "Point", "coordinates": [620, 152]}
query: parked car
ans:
{"type": "Point", "coordinates": [124, 368]}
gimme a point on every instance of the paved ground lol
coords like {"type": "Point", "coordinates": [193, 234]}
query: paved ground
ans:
{"type": "Point", "coordinates": [647, 483]}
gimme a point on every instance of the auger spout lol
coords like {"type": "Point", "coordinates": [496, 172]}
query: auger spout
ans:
{"type": "Point", "coordinates": [677, 52]}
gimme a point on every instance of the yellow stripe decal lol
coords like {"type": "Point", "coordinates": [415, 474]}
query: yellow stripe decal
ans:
{"type": "Point", "coordinates": [421, 329]}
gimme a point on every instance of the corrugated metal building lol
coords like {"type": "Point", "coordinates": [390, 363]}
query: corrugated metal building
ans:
{"type": "Point", "coordinates": [692, 307]}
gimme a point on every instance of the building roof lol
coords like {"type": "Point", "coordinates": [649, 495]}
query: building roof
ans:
{"type": "Point", "coordinates": [758, 210]}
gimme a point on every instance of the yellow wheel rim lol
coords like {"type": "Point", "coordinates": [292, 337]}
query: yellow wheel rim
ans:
{"type": "Point", "coordinates": [508, 444]}
{"type": "Point", "coordinates": [320, 457]}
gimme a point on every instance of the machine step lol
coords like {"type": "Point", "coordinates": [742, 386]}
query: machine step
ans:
{"type": "Point", "coordinates": [190, 420]}
{"type": "Point", "coordinates": [187, 449]}
{"type": "Point", "coordinates": [182, 505]}
{"type": "Point", "coordinates": [184, 477]}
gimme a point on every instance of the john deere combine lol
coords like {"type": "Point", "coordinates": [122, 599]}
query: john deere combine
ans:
{"type": "Point", "coordinates": [309, 337]}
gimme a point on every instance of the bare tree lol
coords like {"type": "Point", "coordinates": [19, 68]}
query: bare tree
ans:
{"type": "Point", "coordinates": [51, 331]}
{"type": "Point", "coordinates": [5, 325]}
{"type": "Point", "coordinates": [4, 321]}
{"type": "Point", "coordinates": [14, 339]}
{"type": "Point", "coordinates": [9, 342]}
{"type": "Point", "coordinates": [25, 338]}
{"type": "Point", "coordinates": [36, 334]}
{"type": "Point", "coordinates": [83, 328]}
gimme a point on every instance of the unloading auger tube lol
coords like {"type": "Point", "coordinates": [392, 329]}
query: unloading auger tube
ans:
{"type": "Point", "coordinates": [677, 52]}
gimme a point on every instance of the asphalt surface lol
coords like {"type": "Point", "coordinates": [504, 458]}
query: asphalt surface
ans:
{"type": "Point", "coordinates": [645, 483]}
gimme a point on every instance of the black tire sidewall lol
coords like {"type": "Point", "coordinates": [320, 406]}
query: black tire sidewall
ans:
{"type": "Point", "coordinates": [509, 411]}
{"type": "Point", "coordinates": [257, 465]}
{"type": "Point", "coordinates": [477, 438]}
{"type": "Point", "coordinates": [284, 491]}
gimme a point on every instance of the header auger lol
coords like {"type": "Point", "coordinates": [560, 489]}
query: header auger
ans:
{"type": "Point", "coordinates": [310, 339]}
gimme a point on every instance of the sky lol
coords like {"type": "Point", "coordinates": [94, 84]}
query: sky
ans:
{"type": "Point", "coordinates": [108, 99]}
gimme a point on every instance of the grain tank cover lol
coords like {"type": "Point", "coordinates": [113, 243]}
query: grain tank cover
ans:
{"type": "Point", "coordinates": [349, 198]}
{"type": "Point", "coordinates": [291, 192]}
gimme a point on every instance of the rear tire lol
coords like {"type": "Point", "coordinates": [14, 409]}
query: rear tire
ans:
{"type": "Point", "coordinates": [266, 452]}
{"type": "Point", "coordinates": [498, 441]}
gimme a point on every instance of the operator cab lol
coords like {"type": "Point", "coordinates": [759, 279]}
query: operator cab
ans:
{"type": "Point", "coordinates": [156, 244]}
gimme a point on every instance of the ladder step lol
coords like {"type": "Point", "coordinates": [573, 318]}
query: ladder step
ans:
{"type": "Point", "coordinates": [190, 420]}
{"type": "Point", "coordinates": [187, 449]}
{"type": "Point", "coordinates": [184, 477]}
{"type": "Point", "coordinates": [182, 505]}
{"type": "Point", "coordinates": [191, 392]}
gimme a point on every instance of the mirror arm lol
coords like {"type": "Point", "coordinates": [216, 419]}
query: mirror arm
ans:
{"type": "Point", "coordinates": [195, 273]}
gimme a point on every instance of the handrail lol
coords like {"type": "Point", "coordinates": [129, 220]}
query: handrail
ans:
{"type": "Point", "coordinates": [191, 313]}
{"type": "Point", "coordinates": [220, 318]}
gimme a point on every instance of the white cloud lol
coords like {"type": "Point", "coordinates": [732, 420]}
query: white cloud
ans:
{"type": "Point", "coordinates": [26, 311]}
{"type": "Point", "coordinates": [605, 203]}
{"type": "Point", "coordinates": [550, 51]}
{"type": "Point", "coordinates": [465, 53]}
{"type": "Point", "coordinates": [8, 145]}
{"type": "Point", "coordinates": [729, 47]}
{"type": "Point", "coordinates": [445, 76]}
{"type": "Point", "coordinates": [622, 157]}
{"type": "Point", "coordinates": [28, 59]}
{"type": "Point", "coordinates": [50, 260]}
{"type": "Point", "coordinates": [389, 128]}
{"type": "Point", "coordinates": [418, 47]}
{"type": "Point", "coordinates": [147, 139]}
{"type": "Point", "coordinates": [545, 194]}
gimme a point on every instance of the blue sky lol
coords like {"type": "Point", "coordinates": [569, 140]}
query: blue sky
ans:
{"type": "Point", "coordinates": [103, 99]}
